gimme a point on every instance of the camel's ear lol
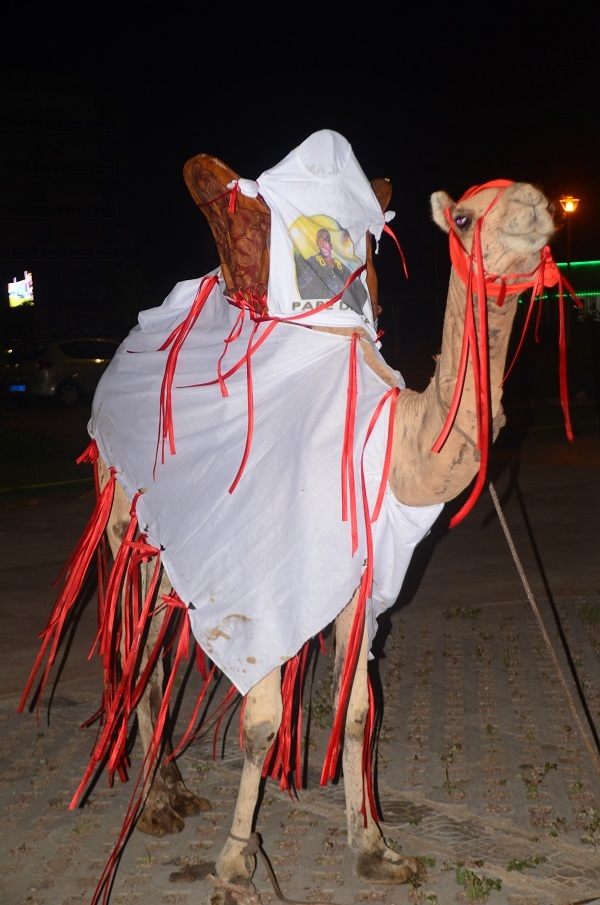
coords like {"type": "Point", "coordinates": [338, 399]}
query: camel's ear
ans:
{"type": "Point", "coordinates": [242, 237]}
{"type": "Point", "coordinates": [383, 193]}
{"type": "Point", "coordinates": [440, 202]}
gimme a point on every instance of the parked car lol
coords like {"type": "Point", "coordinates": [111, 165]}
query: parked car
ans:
{"type": "Point", "coordinates": [66, 370]}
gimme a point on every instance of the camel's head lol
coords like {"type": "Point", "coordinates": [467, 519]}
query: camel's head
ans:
{"type": "Point", "coordinates": [512, 221]}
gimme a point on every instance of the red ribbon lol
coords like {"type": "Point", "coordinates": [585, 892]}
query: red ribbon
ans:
{"type": "Point", "coordinates": [484, 285]}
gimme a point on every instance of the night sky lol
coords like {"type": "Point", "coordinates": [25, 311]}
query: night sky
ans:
{"type": "Point", "coordinates": [443, 99]}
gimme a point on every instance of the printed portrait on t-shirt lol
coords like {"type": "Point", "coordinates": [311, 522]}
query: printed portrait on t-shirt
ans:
{"type": "Point", "coordinates": [325, 259]}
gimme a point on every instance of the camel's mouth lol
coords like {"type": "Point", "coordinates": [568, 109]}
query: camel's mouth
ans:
{"type": "Point", "coordinates": [527, 243]}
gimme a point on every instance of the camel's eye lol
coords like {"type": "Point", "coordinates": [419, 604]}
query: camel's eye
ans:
{"type": "Point", "coordinates": [462, 222]}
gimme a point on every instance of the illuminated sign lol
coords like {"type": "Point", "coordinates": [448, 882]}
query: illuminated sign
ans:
{"type": "Point", "coordinates": [20, 292]}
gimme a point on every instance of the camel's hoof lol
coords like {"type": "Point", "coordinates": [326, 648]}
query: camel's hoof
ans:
{"type": "Point", "coordinates": [160, 821]}
{"type": "Point", "coordinates": [166, 807]}
{"type": "Point", "coordinates": [186, 803]}
{"type": "Point", "coordinates": [170, 781]}
{"type": "Point", "coordinates": [227, 893]}
{"type": "Point", "coordinates": [389, 867]}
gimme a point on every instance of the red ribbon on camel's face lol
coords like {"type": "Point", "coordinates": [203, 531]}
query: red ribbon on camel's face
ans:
{"type": "Point", "coordinates": [469, 266]}
{"type": "Point", "coordinates": [466, 263]}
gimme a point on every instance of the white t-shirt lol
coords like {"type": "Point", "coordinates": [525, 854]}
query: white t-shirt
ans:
{"type": "Point", "coordinates": [319, 194]}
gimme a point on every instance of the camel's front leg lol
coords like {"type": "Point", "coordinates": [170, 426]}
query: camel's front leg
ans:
{"type": "Point", "coordinates": [375, 861]}
{"type": "Point", "coordinates": [262, 716]}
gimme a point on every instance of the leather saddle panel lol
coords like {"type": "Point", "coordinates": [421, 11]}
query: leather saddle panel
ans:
{"type": "Point", "coordinates": [242, 237]}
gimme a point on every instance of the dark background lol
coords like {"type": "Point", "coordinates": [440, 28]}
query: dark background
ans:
{"type": "Point", "coordinates": [430, 98]}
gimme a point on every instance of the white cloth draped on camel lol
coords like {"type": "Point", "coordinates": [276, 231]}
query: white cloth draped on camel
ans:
{"type": "Point", "coordinates": [266, 565]}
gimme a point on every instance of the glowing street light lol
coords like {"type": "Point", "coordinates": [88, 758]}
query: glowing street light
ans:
{"type": "Point", "coordinates": [569, 206]}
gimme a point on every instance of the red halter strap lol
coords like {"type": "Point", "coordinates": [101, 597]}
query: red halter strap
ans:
{"type": "Point", "coordinates": [480, 283]}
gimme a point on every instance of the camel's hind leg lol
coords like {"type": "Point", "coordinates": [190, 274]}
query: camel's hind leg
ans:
{"type": "Point", "coordinates": [262, 716]}
{"type": "Point", "coordinates": [375, 861]}
{"type": "Point", "coordinates": [168, 800]}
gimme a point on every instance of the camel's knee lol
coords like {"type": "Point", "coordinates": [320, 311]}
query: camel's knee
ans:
{"type": "Point", "coordinates": [258, 738]}
{"type": "Point", "coordinates": [356, 719]}
{"type": "Point", "coordinates": [262, 717]}
{"type": "Point", "coordinates": [358, 702]}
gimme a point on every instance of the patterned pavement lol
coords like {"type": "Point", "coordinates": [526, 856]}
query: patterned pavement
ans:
{"type": "Point", "coordinates": [487, 759]}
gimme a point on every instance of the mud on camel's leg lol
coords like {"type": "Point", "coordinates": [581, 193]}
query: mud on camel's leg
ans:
{"type": "Point", "coordinates": [262, 717]}
{"type": "Point", "coordinates": [168, 800]}
{"type": "Point", "coordinates": [375, 861]}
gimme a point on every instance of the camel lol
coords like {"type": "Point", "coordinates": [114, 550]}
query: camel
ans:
{"type": "Point", "coordinates": [436, 445]}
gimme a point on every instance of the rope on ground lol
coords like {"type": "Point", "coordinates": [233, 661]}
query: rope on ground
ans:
{"type": "Point", "coordinates": [498, 422]}
{"type": "Point", "coordinates": [548, 642]}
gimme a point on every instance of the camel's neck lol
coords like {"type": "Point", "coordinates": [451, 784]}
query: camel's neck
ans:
{"type": "Point", "coordinates": [499, 326]}
{"type": "Point", "coordinates": [419, 476]}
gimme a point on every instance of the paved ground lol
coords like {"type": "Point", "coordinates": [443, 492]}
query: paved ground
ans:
{"type": "Point", "coordinates": [488, 755]}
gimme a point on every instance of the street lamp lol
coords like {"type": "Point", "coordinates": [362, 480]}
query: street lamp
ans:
{"type": "Point", "coordinates": [569, 206]}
